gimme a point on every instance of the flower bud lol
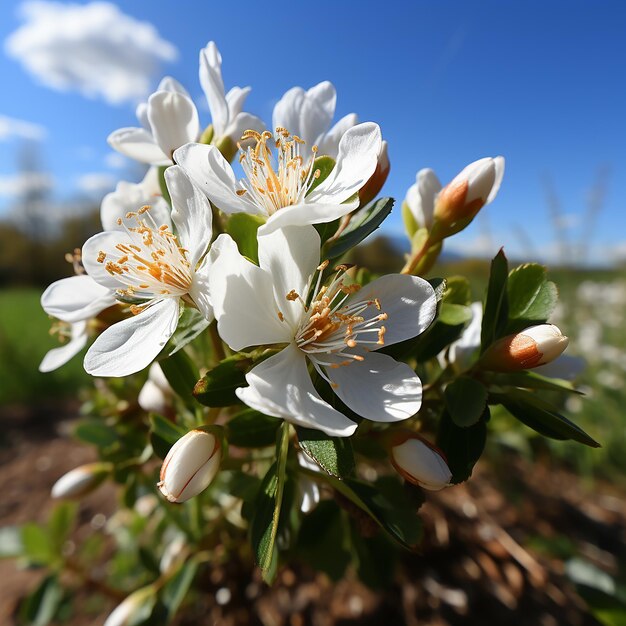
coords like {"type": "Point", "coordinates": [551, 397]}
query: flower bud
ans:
{"type": "Point", "coordinates": [532, 347]}
{"type": "Point", "coordinates": [81, 480]}
{"type": "Point", "coordinates": [191, 464]}
{"type": "Point", "coordinates": [142, 600]}
{"type": "Point", "coordinates": [156, 394]}
{"type": "Point", "coordinates": [419, 462]}
{"type": "Point", "coordinates": [476, 186]}
{"type": "Point", "coordinates": [376, 181]}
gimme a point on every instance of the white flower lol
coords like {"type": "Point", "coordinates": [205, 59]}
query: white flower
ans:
{"type": "Point", "coordinates": [76, 336]}
{"type": "Point", "coordinates": [168, 120]}
{"type": "Point", "coordinates": [308, 489]}
{"type": "Point", "coordinates": [463, 351]}
{"type": "Point", "coordinates": [190, 465]}
{"type": "Point", "coordinates": [420, 463]}
{"type": "Point", "coordinates": [156, 394]}
{"type": "Point", "coordinates": [81, 480]}
{"type": "Point", "coordinates": [308, 115]}
{"type": "Point", "coordinates": [420, 197]}
{"type": "Point", "coordinates": [280, 190]}
{"type": "Point", "coordinates": [336, 329]}
{"type": "Point", "coordinates": [134, 609]}
{"type": "Point", "coordinates": [227, 116]}
{"type": "Point", "coordinates": [155, 269]}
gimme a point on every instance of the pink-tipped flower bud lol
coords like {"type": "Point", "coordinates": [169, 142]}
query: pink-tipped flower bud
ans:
{"type": "Point", "coordinates": [532, 347]}
{"type": "Point", "coordinates": [191, 464]}
{"type": "Point", "coordinates": [419, 462]}
{"type": "Point", "coordinates": [376, 181]}
{"type": "Point", "coordinates": [81, 480]}
{"type": "Point", "coordinates": [469, 191]}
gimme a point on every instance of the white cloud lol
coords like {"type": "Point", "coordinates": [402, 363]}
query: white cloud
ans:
{"type": "Point", "coordinates": [12, 128]}
{"type": "Point", "coordinates": [91, 48]}
{"type": "Point", "coordinates": [96, 183]}
{"type": "Point", "coordinates": [116, 161]}
{"type": "Point", "coordinates": [16, 185]}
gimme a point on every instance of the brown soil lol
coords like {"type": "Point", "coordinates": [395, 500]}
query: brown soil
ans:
{"type": "Point", "coordinates": [475, 567]}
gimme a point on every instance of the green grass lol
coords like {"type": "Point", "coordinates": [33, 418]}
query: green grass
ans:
{"type": "Point", "coordinates": [24, 339]}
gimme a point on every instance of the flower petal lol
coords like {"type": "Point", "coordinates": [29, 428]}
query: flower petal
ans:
{"type": "Point", "coordinates": [499, 165]}
{"type": "Point", "coordinates": [213, 86]}
{"type": "Point", "coordinates": [286, 112]}
{"type": "Point", "coordinates": [242, 122]}
{"type": "Point", "coordinates": [191, 214]}
{"type": "Point", "coordinates": [76, 298]}
{"type": "Point", "coordinates": [409, 302]}
{"type": "Point", "coordinates": [281, 386]}
{"type": "Point", "coordinates": [200, 290]}
{"type": "Point", "coordinates": [103, 242]}
{"type": "Point", "coordinates": [302, 214]}
{"type": "Point", "coordinates": [290, 256]}
{"type": "Point", "coordinates": [356, 161]}
{"type": "Point", "coordinates": [378, 388]}
{"type": "Point", "coordinates": [138, 144]}
{"type": "Point", "coordinates": [171, 84]}
{"type": "Point", "coordinates": [235, 98]}
{"type": "Point", "coordinates": [174, 120]}
{"type": "Point", "coordinates": [132, 344]}
{"type": "Point", "coordinates": [243, 300]}
{"type": "Point", "coordinates": [317, 111]}
{"type": "Point", "coordinates": [329, 145]}
{"type": "Point", "coordinates": [214, 176]}
{"type": "Point", "coordinates": [421, 197]}
{"type": "Point", "coordinates": [57, 357]}
{"type": "Point", "coordinates": [130, 197]}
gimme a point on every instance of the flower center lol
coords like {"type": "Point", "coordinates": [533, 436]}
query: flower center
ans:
{"type": "Point", "coordinates": [153, 264]}
{"type": "Point", "coordinates": [332, 326]}
{"type": "Point", "coordinates": [273, 184]}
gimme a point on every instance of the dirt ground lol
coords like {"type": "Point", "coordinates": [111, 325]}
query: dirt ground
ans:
{"type": "Point", "coordinates": [476, 566]}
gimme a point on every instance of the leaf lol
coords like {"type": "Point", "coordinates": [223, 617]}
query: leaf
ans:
{"type": "Point", "coordinates": [96, 432]}
{"type": "Point", "coordinates": [465, 399]}
{"type": "Point", "coordinates": [251, 429]}
{"type": "Point", "coordinates": [325, 165]}
{"type": "Point", "coordinates": [542, 417]}
{"type": "Point", "coordinates": [10, 542]}
{"type": "Point", "coordinates": [454, 314]}
{"type": "Point", "coordinates": [410, 224]}
{"type": "Point", "coordinates": [463, 446]}
{"type": "Point", "coordinates": [364, 222]}
{"type": "Point", "coordinates": [243, 227]}
{"type": "Point", "coordinates": [458, 290]}
{"type": "Point", "coordinates": [496, 306]}
{"type": "Point", "coordinates": [176, 588]}
{"type": "Point", "coordinates": [217, 387]}
{"type": "Point", "coordinates": [264, 525]}
{"type": "Point", "coordinates": [163, 434]}
{"type": "Point", "coordinates": [332, 454]}
{"type": "Point", "coordinates": [40, 607]}
{"type": "Point", "coordinates": [60, 524]}
{"type": "Point", "coordinates": [439, 285]}
{"type": "Point", "coordinates": [190, 324]}
{"type": "Point", "coordinates": [530, 380]}
{"type": "Point", "coordinates": [38, 547]}
{"type": "Point", "coordinates": [531, 296]}
{"type": "Point", "coordinates": [182, 375]}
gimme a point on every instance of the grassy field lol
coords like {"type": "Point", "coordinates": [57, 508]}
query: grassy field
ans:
{"type": "Point", "coordinates": [24, 339]}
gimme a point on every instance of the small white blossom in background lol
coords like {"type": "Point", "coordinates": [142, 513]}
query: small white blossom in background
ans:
{"type": "Point", "coordinates": [81, 480]}
{"type": "Point", "coordinates": [419, 462]}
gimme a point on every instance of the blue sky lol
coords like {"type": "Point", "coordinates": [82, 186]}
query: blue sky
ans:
{"type": "Point", "coordinates": [540, 82]}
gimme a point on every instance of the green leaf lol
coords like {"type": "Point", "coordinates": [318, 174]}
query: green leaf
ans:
{"type": "Point", "coordinates": [542, 417]}
{"type": "Point", "coordinates": [454, 314]}
{"type": "Point", "coordinates": [251, 429]}
{"type": "Point", "coordinates": [217, 387]}
{"type": "Point", "coordinates": [325, 165]}
{"type": "Point", "coordinates": [410, 224]}
{"type": "Point", "coordinates": [182, 375]}
{"type": "Point", "coordinates": [10, 542]}
{"type": "Point", "coordinates": [530, 380]}
{"type": "Point", "coordinates": [496, 306]}
{"type": "Point", "coordinates": [264, 525]}
{"type": "Point", "coordinates": [163, 434]}
{"type": "Point", "coordinates": [40, 607]}
{"type": "Point", "coordinates": [465, 399]}
{"type": "Point", "coordinates": [325, 551]}
{"type": "Point", "coordinates": [243, 227]}
{"type": "Point", "coordinates": [38, 547]}
{"type": "Point", "coordinates": [96, 432]}
{"type": "Point", "coordinates": [332, 454]}
{"type": "Point", "coordinates": [190, 324]}
{"type": "Point", "coordinates": [60, 523]}
{"type": "Point", "coordinates": [462, 446]}
{"type": "Point", "coordinates": [364, 222]}
{"type": "Point", "coordinates": [176, 588]}
{"type": "Point", "coordinates": [439, 285]}
{"type": "Point", "coordinates": [531, 296]}
{"type": "Point", "coordinates": [458, 290]}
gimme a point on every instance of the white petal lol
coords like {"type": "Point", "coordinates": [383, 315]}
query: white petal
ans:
{"type": "Point", "coordinates": [329, 145]}
{"type": "Point", "coordinates": [290, 256]}
{"type": "Point", "coordinates": [132, 344]}
{"type": "Point", "coordinates": [174, 120]}
{"type": "Point", "coordinates": [138, 144]}
{"type": "Point", "coordinates": [317, 111]}
{"type": "Point", "coordinates": [409, 302]}
{"type": "Point", "coordinates": [281, 386]}
{"type": "Point", "coordinates": [378, 388]}
{"type": "Point", "coordinates": [301, 214]}
{"type": "Point", "coordinates": [357, 159]}
{"type": "Point", "coordinates": [60, 356]}
{"type": "Point", "coordinates": [214, 176]}
{"type": "Point", "coordinates": [200, 290]}
{"type": "Point", "coordinates": [421, 197]}
{"type": "Point", "coordinates": [235, 99]}
{"type": "Point", "coordinates": [142, 116]}
{"type": "Point", "coordinates": [286, 112]}
{"type": "Point", "coordinates": [103, 242]}
{"type": "Point", "coordinates": [242, 122]}
{"type": "Point", "coordinates": [243, 300]}
{"type": "Point", "coordinates": [76, 298]}
{"type": "Point", "coordinates": [462, 350]}
{"type": "Point", "coordinates": [499, 165]}
{"type": "Point", "coordinates": [150, 182]}
{"type": "Point", "coordinates": [213, 86]}
{"type": "Point", "coordinates": [171, 84]}
{"type": "Point", "coordinates": [191, 214]}
{"type": "Point", "coordinates": [131, 197]}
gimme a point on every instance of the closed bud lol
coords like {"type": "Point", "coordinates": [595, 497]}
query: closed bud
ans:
{"type": "Point", "coordinates": [81, 480]}
{"type": "Point", "coordinates": [419, 462]}
{"type": "Point", "coordinates": [376, 181]}
{"type": "Point", "coordinates": [532, 347]}
{"type": "Point", "coordinates": [476, 186]}
{"type": "Point", "coordinates": [191, 464]}
{"type": "Point", "coordinates": [134, 609]}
